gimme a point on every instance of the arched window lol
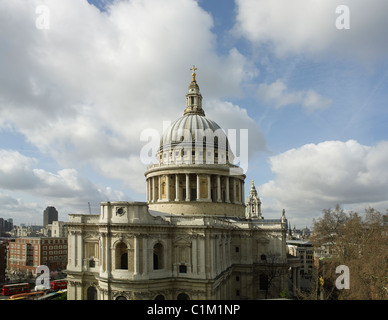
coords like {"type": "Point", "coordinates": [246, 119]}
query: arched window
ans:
{"type": "Point", "coordinates": [122, 256]}
{"type": "Point", "coordinates": [216, 142]}
{"type": "Point", "coordinates": [263, 257]}
{"type": "Point", "coordinates": [121, 298]}
{"type": "Point", "coordinates": [164, 190]}
{"type": "Point", "coordinates": [91, 293]}
{"type": "Point", "coordinates": [183, 296]}
{"type": "Point", "coordinates": [159, 297]}
{"type": "Point", "coordinates": [158, 256]}
{"type": "Point", "coordinates": [124, 261]}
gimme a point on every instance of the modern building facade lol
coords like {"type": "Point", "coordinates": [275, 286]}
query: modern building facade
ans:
{"type": "Point", "coordinates": [26, 254]}
{"type": "Point", "coordinates": [192, 239]}
{"type": "Point", "coordinates": [50, 214]}
{"type": "Point", "coordinates": [6, 225]}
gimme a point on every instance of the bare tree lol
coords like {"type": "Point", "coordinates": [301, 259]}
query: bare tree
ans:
{"type": "Point", "coordinates": [272, 270]}
{"type": "Point", "coordinates": [359, 242]}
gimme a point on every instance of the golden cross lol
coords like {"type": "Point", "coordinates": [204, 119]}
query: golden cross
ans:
{"type": "Point", "coordinates": [193, 74]}
{"type": "Point", "coordinates": [193, 68]}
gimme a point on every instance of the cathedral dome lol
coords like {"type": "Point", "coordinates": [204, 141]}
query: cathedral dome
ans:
{"type": "Point", "coordinates": [194, 130]}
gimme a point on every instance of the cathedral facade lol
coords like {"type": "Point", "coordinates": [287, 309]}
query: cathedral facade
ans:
{"type": "Point", "coordinates": [195, 237]}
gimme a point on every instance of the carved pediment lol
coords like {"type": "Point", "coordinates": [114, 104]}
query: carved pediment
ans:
{"type": "Point", "coordinates": [182, 241]}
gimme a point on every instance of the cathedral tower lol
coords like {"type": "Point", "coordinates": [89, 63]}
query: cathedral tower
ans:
{"type": "Point", "coordinates": [253, 210]}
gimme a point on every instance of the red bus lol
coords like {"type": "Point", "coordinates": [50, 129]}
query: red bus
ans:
{"type": "Point", "coordinates": [12, 289]}
{"type": "Point", "coordinates": [58, 284]}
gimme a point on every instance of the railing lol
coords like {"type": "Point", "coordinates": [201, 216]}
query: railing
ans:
{"type": "Point", "coordinates": [186, 163]}
{"type": "Point", "coordinates": [205, 221]}
{"type": "Point", "coordinates": [84, 218]}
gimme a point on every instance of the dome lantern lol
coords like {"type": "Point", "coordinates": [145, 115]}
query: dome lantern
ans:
{"type": "Point", "coordinates": [194, 97]}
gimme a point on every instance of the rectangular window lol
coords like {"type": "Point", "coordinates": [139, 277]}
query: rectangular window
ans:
{"type": "Point", "coordinates": [182, 269]}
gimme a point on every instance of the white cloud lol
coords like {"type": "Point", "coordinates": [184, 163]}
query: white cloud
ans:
{"type": "Point", "coordinates": [19, 211]}
{"type": "Point", "coordinates": [318, 176]}
{"type": "Point", "coordinates": [15, 171]}
{"type": "Point", "coordinates": [84, 90]}
{"type": "Point", "coordinates": [67, 188]}
{"type": "Point", "coordinates": [230, 116]}
{"type": "Point", "coordinates": [278, 95]}
{"type": "Point", "coordinates": [309, 27]}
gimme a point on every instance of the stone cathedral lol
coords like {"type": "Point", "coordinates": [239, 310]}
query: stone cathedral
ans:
{"type": "Point", "coordinates": [196, 236]}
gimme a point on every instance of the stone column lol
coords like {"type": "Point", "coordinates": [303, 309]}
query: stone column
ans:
{"type": "Point", "coordinates": [108, 256]}
{"type": "Point", "coordinates": [79, 250]}
{"type": "Point", "coordinates": [224, 261]}
{"type": "Point", "coordinates": [177, 198]}
{"type": "Point", "coordinates": [257, 212]}
{"type": "Point", "coordinates": [209, 186]}
{"type": "Point", "coordinates": [227, 189]}
{"type": "Point", "coordinates": [145, 256]}
{"type": "Point", "coordinates": [153, 190]}
{"type": "Point", "coordinates": [102, 257]}
{"type": "Point", "coordinates": [218, 188]}
{"type": "Point", "coordinates": [168, 188]}
{"type": "Point", "coordinates": [234, 200]}
{"type": "Point", "coordinates": [150, 190]}
{"type": "Point", "coordinates": [136, 256]}
{"type": "Point", "coordinates": [243, 191]}
{"type": "Point", "coordinates": [187, 187]}
{"type": "Point", "coordinates": [147, 190]}
{"type": "Point", "coordinates": [194, 255]}
{"type": "Point", "coordinates": [73, 236]}
{"type": "Point", "coordinates": [208, 255]}
{"type": "Point", "coordinates": [198, 187]}
{"type": "Point", "coordinates": [160, 189]}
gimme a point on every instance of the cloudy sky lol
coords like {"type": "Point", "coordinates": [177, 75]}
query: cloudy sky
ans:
{"type": "Point", "coordinates": [81, 80]}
